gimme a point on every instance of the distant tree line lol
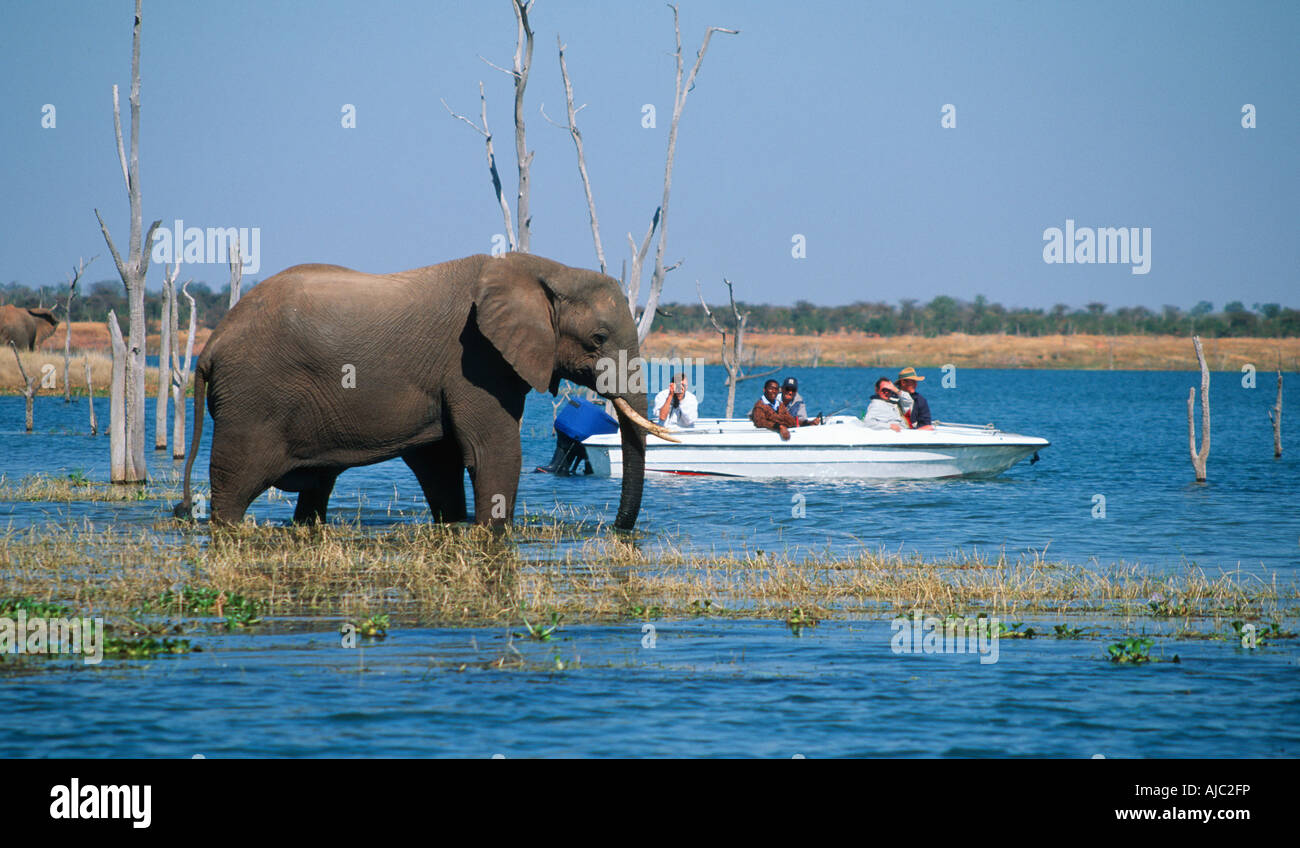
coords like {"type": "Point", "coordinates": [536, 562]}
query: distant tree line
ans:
{"type": "Point", "coordinates": [93, 302]}
{"type": "Point", "coordinates": [948, 315]}
{"type": "Point", "coordinates": [940, 316]}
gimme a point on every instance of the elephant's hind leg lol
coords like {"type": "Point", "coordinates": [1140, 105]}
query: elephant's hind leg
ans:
{"type": "Point", "coordinates": [313, 501]}
{"type": "Point", "coordinates": [440, 468]}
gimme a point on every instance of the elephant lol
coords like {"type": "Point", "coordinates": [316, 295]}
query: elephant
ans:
{"type": "Point", "coordinates": [321, 368]}
{"type": "Point", "coordinates": [26, 327]}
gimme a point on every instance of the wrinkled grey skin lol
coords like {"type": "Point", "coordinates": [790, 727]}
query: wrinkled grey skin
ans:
{"type": "Point", "coordinates": [443, 357]}
{"type": "Point", "coordinates": [26, 328]}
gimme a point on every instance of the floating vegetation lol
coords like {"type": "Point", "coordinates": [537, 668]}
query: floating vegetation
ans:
{"type": "Point", "coordinates": [1162, 607]}
{"type": "Point", "coordinates": [374, 627]}
{"type": "Point", "coordinates": [797, 620]}
{"type": "Point", "coordinates": [1065, 631]}
{"type": "Point", "coordinates": [32, 608]}
{"type": "Point", "coordinates": [145, 647]}
{"type": "Point", "coordinates": [1135, 650]}
{"type": "Point", "coordinates": [1013, 631]}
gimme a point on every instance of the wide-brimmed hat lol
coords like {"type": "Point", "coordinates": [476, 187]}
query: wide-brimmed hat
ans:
{"type": "Point", "coordinates": [908, 374]}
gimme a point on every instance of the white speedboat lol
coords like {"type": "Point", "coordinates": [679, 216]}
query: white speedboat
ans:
{"type": "Point", "coordinates": [842, 447]}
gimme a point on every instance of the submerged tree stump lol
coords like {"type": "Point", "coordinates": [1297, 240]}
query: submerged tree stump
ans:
{"type": "Point", "coordinates": [29, 385]}
{"type": "Point", "coordinates": [1275, 414]}
{"type": "Point", "coordinates": [1199, 457]}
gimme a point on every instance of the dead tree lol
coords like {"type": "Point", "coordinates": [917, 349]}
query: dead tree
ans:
{"type": "Point", "coordinates": [1199, 457]}
{"type": "Point", "coordinates": [90, 396]}
{"type": "Point", "coordinates": [236, 273]}
{"type": "Point", "coordinates": [128, 406]}
{"type": "Point", "coordinates": [67, 334]}
{"type": "Point", "coordinates": [659, 220]}
{"type": "Point", "coordinates": [180, 370]}
{"type": "Point", "coordinates": [733, 357]}
{"type": "Point", "coordinates": [166, 339]}
{"type": "Point", "coordinates": [29, 384]}
{"type": "Point", "coordinates": [1275, 414]}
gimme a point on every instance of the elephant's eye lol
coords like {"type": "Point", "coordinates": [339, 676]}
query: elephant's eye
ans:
{"type": "Point", "coordinates": [600, 339]}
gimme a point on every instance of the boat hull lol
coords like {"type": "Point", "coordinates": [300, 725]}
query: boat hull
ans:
{"type": "Point", "coordinates": [844, 448]}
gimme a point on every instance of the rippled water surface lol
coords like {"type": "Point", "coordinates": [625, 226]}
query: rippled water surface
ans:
{"type": "Point", "coordinates": [749, 688]}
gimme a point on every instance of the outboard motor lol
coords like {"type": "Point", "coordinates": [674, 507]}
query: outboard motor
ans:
{"type": "Point", "coordinates": [579, 419]}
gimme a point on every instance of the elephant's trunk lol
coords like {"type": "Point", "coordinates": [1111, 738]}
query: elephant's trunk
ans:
{"type": "Point", "coordinates": [633, 438]}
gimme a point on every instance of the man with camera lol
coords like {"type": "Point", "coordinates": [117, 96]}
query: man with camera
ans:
{"type": "Point", "coordinates": [676, 406]}
{"type": "Point", "coordinates": [887, 407]}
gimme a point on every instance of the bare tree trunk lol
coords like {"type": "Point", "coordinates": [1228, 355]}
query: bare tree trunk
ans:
{"type": "Point", "coordinates": [90, 397]}
{"type": "Point", "coordinates": [1199, 457]}
{"type": "Point", "coordinates": [117, 404]}
{"type": "Point", "coordinates": [133, 271]}
{"type": "Point", "coordinates": [164, 357]}
{"type": "Point", "coordinates": [731, 359]}
{"type": "Point", "coordinates": [236, 273]}
{"type": "Point", "coordinates": [523, 62]}
{"type": "Point", "coordinates": [1275, 414]}
{"type": "Point", "coordinates": [29, 385]}
{"type": "Point", "coordinates": [181, 371]}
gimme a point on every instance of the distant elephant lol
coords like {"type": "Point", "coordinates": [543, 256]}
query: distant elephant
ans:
{"type": "Point", "coordinates": [321, 368]}
{"type": "Point", "coordinates": [26, 328]}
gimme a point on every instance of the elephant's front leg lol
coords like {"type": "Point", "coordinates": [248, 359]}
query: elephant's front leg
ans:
{"type": "Point", "coordinates": [493, 456]}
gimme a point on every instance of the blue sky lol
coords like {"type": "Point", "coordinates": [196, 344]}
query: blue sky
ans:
{"type": "Point", "coordinates": [820, 119]}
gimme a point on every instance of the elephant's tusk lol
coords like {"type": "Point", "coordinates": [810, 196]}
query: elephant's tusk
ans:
{"type": "Point", "coordinates": [626, 408]}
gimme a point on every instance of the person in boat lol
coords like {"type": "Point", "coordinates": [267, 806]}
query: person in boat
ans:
{"type": "Point", "coordinates": [918, 417]}
{"type": "Point", "coordinates": [883, 411]}
{"type": "Point", "coordinates": [677, 406]}
{"type": "Point", "coordinates": [770, 413]}
{"type": "Point", "coordinates": [794, 403]}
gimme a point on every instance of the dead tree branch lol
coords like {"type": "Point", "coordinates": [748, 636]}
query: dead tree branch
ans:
{"type": "Point", "coordinates": [679, 104]}
{"type": "Point", "coordinates": [486, 132]}
{"type": "Point", "coordinates": [582, 156]}
{"type": "Point", "coordinates": [77, 272]}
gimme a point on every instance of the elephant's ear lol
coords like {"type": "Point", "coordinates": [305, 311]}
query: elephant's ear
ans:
{"type": "Point", "coordinates": [516, 314]}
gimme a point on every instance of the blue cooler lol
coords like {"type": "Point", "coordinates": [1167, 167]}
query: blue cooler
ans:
{"type": "Point", "coordinates": [581, 419]}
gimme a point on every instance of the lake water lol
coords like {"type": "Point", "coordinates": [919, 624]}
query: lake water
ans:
{"type": "Point", "coordinates": [750, 688]}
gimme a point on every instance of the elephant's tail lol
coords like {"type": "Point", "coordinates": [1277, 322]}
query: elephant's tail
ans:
{"type": "Point", "coordinates": [183, 509]}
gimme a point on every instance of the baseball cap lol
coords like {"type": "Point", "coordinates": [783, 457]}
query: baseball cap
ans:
{"type": "Point", "coordinates": [790, 383]}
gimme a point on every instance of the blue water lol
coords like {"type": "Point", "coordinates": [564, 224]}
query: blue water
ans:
{"type": "Point", "coordinates": [749, 688]}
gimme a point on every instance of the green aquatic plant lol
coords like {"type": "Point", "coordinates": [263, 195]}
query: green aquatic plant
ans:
{"type": "Point", "coordinates": [1065, 631]}
{"type": "Point", "coordinates": [540, 633]}
{"type": "Point", "coordinates": [237, 610]}
{"type": "Point", "coordinates": [644, 611]}
{"type": "Point", "coordinates": [703, 606]}
{"type": "Point", "coordinates": [1162, 607]}
{"type": "Point", "coordinates": [1133, 650]}
{"type": "Point", "coordinates": [375, 627]}
{"type": "Point", "coordinates": [145, 647]}
{"type": "Point", "coordinates": [797, 620]}
{"type": "Point", "coordinates": [33, 608]}
{"type": "Point", "coordinates": [1013, 631]}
